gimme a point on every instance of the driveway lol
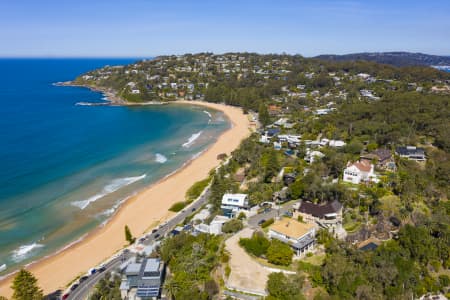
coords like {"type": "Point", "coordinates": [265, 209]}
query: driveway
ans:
{"type": "Point", "coordinates": [273, 213]}
{"type": "Point", "coordinates": [246, 274]}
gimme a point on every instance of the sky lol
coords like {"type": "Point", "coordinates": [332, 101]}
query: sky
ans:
{"type": "Point", "coordinates": [146, 28]}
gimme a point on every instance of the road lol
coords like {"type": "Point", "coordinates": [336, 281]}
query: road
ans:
{"type": "Point", "coordinates": [254, 220]}
{"type": "Point", "coordinates": [83, 290]}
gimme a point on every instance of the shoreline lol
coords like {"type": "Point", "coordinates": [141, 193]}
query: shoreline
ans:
{"type": "Point", "coordinates": [110, 96]}
{"type": "Point", "coordinates": [59, 268]}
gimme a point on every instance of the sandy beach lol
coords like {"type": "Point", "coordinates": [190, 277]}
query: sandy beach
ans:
{"type": "Point", "coordinates": [141, 212]}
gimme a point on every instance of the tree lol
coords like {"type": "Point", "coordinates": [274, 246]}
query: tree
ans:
{"type": "Point", "coordinates": [128, 236]}
{"type": "Point", "coordinates": [296, 189]}
{"type": "Point", "coordinates": [232, 226]}
{"type": "Point", "coordinates": [256, 245]}
{"type": "Point", "coordinates": [279, 253]}
{"type": "Point", "coordinates": [25, 287]}
{"type": "Point", "coordinates": [263, 113]}
{"type": "Point", "coordinates": [282, 287]}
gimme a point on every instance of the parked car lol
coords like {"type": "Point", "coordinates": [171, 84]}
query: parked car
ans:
{"type": "Point", "coordinates": [261, 222]}
{"type": "Point", "coordinates": [83, 278]}
{"type": "Point", "coordinates": [73, 287]}
{"type": "Point", "coordinates": [288, 214]}
{"type": "Point", "coordinates": [92, 271]}
{"type": "Point", "coordinates": [157, 235]}
{"type": "Point", "coordinates": [65, 296]}
{"type": "Point", "coordinates": [154, 230]}
{"type": "Point", "coordinates": [102, 268]}
{"type": "Point", "coordinates": [193, 209]}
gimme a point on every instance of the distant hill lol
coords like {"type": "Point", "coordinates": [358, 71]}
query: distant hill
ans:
{"type": "Point", "coordinates": [399, 59]}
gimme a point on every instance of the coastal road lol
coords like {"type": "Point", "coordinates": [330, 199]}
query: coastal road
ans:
{"type": "Point", "coordinates": [83, 290]}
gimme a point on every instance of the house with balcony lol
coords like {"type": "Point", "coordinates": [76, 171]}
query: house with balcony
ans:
{"type": "Point", "coordinates": [232, 204]}
{"type": "Point", "coordinates": [411, 153]}
{"type": "Point", "coordinates": [142, 280]}
{"type": "Point", "coordinates": [300, 236]}
{"type": "Point", "coordinates": [360, 171]}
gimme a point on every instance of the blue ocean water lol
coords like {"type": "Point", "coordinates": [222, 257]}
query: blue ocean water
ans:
{"type": "Point", "coordinates": [66, 168]}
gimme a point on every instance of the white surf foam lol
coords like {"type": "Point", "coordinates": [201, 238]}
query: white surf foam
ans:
{"type": "Point", "coordinates": [159, 158]}
{"type": "Point", "coordinates": [115, 185]}
{"type": "Point", "coordinates": [24, 251]}
{"type": "Point", "coordinates": [208, 113]}
{"type": "Point", "coordinates": [192, 139]}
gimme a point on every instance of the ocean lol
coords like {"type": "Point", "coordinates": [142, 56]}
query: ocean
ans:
{"type": "Point", "coordinates": [66, 168]}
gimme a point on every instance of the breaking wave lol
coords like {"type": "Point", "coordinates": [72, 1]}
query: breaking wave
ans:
{"type": "Point", "coordinates": [24, 251]}
{"type": "Point", "coordinates": [115, 185]}
{"type": "Point", "coordinates": [159, 158]}
{"type": "Point", "coordinates": [192, 139]}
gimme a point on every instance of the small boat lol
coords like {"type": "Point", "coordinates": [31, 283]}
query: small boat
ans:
{"type": "Point", "coordinates": [2, 267]}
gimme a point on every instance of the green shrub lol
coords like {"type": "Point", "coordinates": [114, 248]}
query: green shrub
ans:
{"type": "Point", "coordinates": [232, 226]}
{"type": "Point", "coordinates": [178, 206]}
{"type": "Point", "coordinates": [196, 189]}
{"type": "Point", "coordinates": [267, 223]}
{"type": "Point", "coordinates": [256, 245]}
{"type": "Point", "coordinates": [242, 216]}
{"type": "Point", "coordinates": [279, 253]}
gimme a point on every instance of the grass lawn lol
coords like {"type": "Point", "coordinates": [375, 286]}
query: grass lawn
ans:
{"type": "Point", "coordinates": [262, 261]}
{"type": "Point", "coordinates": [315, 259]}
{"type": "Point", "coordinates": [352, 226]}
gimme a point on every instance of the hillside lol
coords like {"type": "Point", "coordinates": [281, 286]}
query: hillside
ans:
{"type": "Point", "coordinates": [399, 59]}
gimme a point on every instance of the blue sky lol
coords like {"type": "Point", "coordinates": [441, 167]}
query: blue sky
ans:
{"type": "Point", "coordinates": [142, 28]}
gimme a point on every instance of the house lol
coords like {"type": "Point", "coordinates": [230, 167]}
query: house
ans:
{"type": "Point", "coordinates": [142, 280]}
{"type": "Point", "coordinates": [369, 94]}
{"type": "Point", "coordinates": [215, 227]}
{"type": "Point", "coordinates": [289, 178]}
{"type": "Point", "coordinates": [328, 215]}
{"type": "Point", "coordinates": [274, 110]}
{"type": "Point", "coordinates": [360, 171]}
{"type": "Point", "coordinates": [383, 158]}
{"type": "Point", "coordinates": [281, 196]}
{"type": "Point", "coordinates": [233, 203]}
{"type": "Point", "coordinates": [336, 143]}
{"type": "Point", "coordinates": [265, 139]}
{"type": "Point", "coordinates": [323, 111]}
{"type": "Point", "coordinates": [411, 153]}
{"type": "Point", "coordinates": [312, 156]}
{"type": "Point", "coordinates": [277, 146]}
{"type": "Point", "coordinates": [271, 132]}
{"type": "Point", "coordinates": [281, 122]}
{"type": "Point", "coordinates": [300, 236]}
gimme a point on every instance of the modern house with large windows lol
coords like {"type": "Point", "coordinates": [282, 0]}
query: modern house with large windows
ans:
{"type": "Point", "coordinates": [232, 204]}
{"type": "Point", "coordinates": [142, 280]}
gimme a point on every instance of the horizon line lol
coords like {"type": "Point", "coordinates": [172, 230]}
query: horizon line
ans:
{"type": "Point", "coordinates": [198, 52]}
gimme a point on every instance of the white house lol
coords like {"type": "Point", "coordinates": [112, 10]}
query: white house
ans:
{"type": "Point", "coordinates": [300, 236]}
{"type": "Point", "coordinates": [215, 227]}
{"type": "Point", "coordinates": [233, 203]}
{"type": "Point", "coordinates": [336, 143]}
{"type": "Point", "coordinates": [312, 156]}
{"type": "Point", "coordinates": [360, 171]}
